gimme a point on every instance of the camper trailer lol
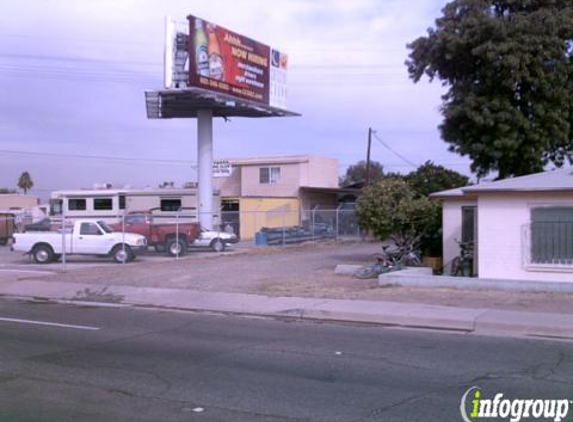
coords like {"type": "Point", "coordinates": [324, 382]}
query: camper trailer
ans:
{"type": "Point", "coordinates": [110, 205]}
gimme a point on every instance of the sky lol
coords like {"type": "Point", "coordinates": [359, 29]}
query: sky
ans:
{"type": "Point", "coordinates": [73, 75]}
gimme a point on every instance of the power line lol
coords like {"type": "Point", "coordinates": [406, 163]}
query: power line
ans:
{"type": "Point", "coordinates": [397, 154]}
{"type": "Point", "coordinates": [78, 40]}
{"type": "Point", "coordinates": [88, 60]}
{"type": "Point", "coordinates": [100, 157]}
{"type": "Point", "coordinates": [75, 59]}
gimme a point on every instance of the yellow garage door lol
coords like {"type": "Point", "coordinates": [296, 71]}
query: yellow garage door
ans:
{"type": "Point", "coordinates": [257, 213]}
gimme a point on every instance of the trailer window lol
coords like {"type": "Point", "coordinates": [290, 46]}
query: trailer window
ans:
{"type": "Point", "coordinates": [170, 204]}
{"type": "Point", "coordinates": [103, 204]}
{"type": "Point", "coordinates": [77, 204]}
{"type": "Point", "coordinates": [121, 202]}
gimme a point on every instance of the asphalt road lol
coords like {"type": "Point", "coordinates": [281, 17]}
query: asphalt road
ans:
{"type": "Point", "coordinates": [110, 364]}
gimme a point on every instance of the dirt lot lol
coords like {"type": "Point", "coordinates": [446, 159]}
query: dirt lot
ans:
{"type": "Point", "coordinates": [304, 270]}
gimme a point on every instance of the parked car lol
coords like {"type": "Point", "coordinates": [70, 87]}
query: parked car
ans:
{"type": "Point", "coordinates": [87, 237]}
{"type": "Point", "coordinates": [173, 238]}
{"type": "Point", "coordinates": [215, 240]}
{"type": "Point", "coordinates": [7, 227]}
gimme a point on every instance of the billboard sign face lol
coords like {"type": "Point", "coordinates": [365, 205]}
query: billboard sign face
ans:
{"type": "Point", "coordinates": [278, 80]}
{"type": "Point", "coordinates": [226, 62]}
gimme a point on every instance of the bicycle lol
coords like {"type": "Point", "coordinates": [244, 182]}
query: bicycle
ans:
{"type": "Point", "coordinates": [462, 265]}
{"type": "Point", "coordinates": [405, 251]}
{"type": "Point", "coordinates": [384, 264]}
{"type": "Point", "coordinates": [391, 259]}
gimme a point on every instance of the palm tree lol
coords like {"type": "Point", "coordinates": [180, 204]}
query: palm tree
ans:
{"type": "Point", "coordinates": [25, 182]}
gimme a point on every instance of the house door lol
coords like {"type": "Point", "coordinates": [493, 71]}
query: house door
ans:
{"type": "Point", "coordinates": [469, 232]}
{"type": "Point", "coordinates": [230, 216]}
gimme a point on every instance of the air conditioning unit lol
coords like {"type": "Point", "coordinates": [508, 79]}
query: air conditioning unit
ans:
{"type": "Point", "coordinates": [101, 186]}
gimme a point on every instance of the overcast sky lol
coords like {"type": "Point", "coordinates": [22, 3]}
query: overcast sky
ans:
{"type": "Point", "coordinates": [73, 75]}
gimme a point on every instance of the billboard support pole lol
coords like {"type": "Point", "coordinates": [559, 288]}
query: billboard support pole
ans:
{"type": "Point", "coordinates": [205, 167]}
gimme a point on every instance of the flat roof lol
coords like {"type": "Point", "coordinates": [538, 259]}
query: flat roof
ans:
{"type": "Point", "coordinates": [108, 192]}
{"type": "Point", "coordinates": [186, 102]}
{"type": "Point", "coordinates": [286, 159]}
{"type": "Point", "coordinates": [330, 190]}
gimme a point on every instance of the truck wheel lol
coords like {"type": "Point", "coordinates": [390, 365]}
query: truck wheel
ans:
{"type": "Point", "coordinates": [176, 247]}
{"type": "Point", "coordinates": [121, 254]}
{"type": "Point", "coordinates": [43, 254]}
{"type": "Point", "coordinates": [217, 245]}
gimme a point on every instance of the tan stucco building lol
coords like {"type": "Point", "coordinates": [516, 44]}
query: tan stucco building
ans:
{"type": "Point", "coordinates": [276, 191]}
{"type": "Point", "coordinates": [16, 202]}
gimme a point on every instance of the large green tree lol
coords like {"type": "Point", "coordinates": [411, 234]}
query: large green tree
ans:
{"type": "Point", "coordinates": [25, 182]}
{"type": "Point", "coordinates": [430, 178]}
{"type": "Point", "coordinates": [356, 173]}
{"type": "Point", "coordinates": [508, 66]}
{"type": "Point", "coordinates": [391, 207]}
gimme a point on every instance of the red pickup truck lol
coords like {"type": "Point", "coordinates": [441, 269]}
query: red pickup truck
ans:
{"type": "Point", "coordinates": [170, 237]}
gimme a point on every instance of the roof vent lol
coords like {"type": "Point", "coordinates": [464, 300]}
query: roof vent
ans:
{"type": "Point", "coordinates": [102, 186]}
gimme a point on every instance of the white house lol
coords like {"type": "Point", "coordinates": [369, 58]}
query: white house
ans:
{"type": "Point", "coordinates": [522, 227]}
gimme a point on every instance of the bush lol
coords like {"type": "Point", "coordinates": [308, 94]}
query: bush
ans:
{"type": "Point", "coordinates": [390, 208]}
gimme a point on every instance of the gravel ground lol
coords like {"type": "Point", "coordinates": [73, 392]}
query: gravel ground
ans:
{"type": "Point", "coordinates": [303, 270]}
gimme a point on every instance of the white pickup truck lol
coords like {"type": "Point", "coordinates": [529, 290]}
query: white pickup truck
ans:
{"type": "Point", "coordinates": [87, 237]}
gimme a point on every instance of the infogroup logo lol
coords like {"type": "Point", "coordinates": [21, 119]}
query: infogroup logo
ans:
{"type": "Point", "coordinates": [474, 407]}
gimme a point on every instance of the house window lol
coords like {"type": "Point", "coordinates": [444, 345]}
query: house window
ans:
{"type": "Point", "coordinates": [77, 204]}
{"type": "Point", "coordinates": [269, 175]}
{"type": "Point", "coordinates": [170, 204]}
{"type": "Point", "coordinates": [552, 235]}
{"type": "Point", "coordinates": [103, 204]}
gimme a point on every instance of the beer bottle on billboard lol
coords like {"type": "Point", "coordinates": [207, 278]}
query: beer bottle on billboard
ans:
{"type": "Point", "coordinates": [201, 49]}
{"type": "Point", "coordinates": [216, 67]}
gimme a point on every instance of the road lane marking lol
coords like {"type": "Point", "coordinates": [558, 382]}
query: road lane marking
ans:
{"type": "Point", "coordinates": [50, 324]}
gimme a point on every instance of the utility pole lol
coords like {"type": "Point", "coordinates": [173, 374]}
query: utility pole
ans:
{"type": "Point", "coordinates": [367, 181]}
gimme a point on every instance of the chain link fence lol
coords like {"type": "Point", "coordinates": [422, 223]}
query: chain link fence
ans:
{"type": "Point", "coordinates": [181, 232]}
{"type": "Point", "coordinates": [282, 227]}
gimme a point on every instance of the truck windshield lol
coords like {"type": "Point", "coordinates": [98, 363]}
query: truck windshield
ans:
{"type": "Point", "coordinates": [105, 227]}
{"type": "Point", "coordinates": [135, 219]}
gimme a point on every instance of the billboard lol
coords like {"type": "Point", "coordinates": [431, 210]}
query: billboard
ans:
{"type": "Point", "coordinates": [224, 61]}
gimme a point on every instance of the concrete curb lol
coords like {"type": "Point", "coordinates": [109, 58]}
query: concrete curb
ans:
{"type": "Point", "coordinates": [422, 277]}
{"type": "Point", "coordinates": [344, 269]}
{"type": "Point", "coordinates": [413, 315]}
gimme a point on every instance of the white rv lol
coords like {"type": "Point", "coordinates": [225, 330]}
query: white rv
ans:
{"type": "Point", "coordinates": [109, 205]}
